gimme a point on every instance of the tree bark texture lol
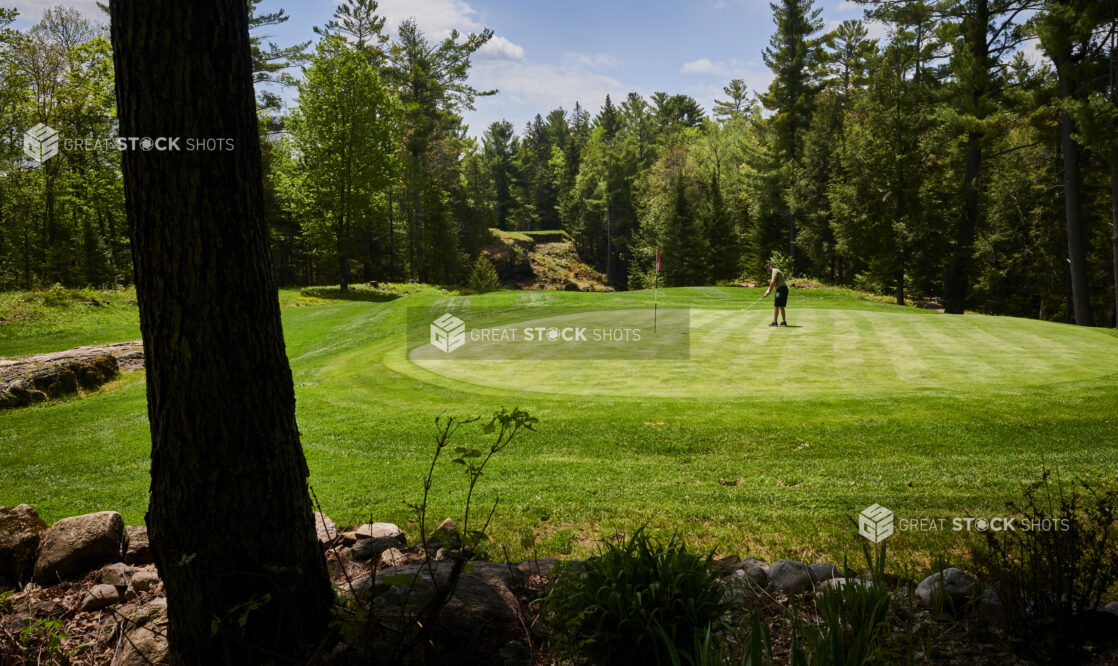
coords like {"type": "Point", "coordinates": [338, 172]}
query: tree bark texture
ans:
{"type": "Point", "coordinates": [229, 518]}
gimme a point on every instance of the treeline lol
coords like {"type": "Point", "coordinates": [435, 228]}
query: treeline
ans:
{"type": "Point", "coordinates": [936, 163]}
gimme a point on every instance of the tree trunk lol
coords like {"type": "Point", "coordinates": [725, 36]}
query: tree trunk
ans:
{"type": "Point", "coordinates": [1114, 230]}
{"type": "Point", "coordinates": [1077, 251]}
{"type": "Point", "coordinates": [229, 518]}
{"type": "Point", "coordinates": [958, 274]}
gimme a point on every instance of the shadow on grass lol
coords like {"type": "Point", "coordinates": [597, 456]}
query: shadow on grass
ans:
{"type": "Point", "coordinates": [354, 294]}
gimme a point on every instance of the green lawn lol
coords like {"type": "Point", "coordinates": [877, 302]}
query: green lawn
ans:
{"type": "Point", "coordinates": [765, 442]}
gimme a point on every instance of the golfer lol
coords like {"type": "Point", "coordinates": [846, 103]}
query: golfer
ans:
{"type": "Point", "coordinates": [781, 299]}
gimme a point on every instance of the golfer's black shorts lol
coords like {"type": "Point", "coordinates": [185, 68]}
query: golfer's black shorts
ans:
{"type": "Point", "coordinates": [781, 299]}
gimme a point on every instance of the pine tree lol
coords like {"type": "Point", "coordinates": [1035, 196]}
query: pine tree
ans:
{"type": "Point", "coordinates": [483, 276]}
{"type": "Point", "coordinates": [724, 250]}
{"type": "Point", "coordinates": [738, 101]}
{"type": "Point", "coordinates": [793, 55]}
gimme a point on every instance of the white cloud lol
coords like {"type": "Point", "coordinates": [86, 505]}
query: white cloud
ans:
{"type": "Point", "coordinates": [499, 48]}
{"type": "Point", "coordinates": [730, 69]}
{"type": "Point", "coordinates": [847, 6]}
{"type": "Point", "coordinates": [545, 87]}
{"type": "Point", "coordinates": [30, 11]}
{"type": "Point", "coordinates": [703, 66]}
{"type": "Point", "coordinates": [434, 17]}
{"type": "Point", "coordinates": [591, 60]}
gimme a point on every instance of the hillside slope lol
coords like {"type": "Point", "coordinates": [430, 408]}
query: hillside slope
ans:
{"type": "Point", "coordinates": [541, 260]}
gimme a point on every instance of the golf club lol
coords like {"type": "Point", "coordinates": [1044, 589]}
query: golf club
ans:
{"type": "Point", "coordinates": [753, 303]}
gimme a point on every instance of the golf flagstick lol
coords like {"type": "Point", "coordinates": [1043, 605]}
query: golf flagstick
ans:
{"type": "Point", "coordinates": [656, 290]}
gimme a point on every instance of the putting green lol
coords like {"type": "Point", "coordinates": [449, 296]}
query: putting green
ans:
{"type": "Point", "coordinates": [826, 351]}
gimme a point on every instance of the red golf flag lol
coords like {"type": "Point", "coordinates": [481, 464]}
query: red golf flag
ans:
{"type": "Point", "coordinates": [657, 260]}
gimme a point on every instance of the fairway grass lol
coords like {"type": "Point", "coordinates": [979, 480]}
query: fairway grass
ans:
{"type": "Point", "coordinates": [766, 441]}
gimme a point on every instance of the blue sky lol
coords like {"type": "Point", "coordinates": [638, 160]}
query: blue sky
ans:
{"type": "Point", "coordinates": [550, 54]}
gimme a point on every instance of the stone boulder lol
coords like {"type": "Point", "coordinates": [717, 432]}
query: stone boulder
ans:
{"type": "Point", "coordinates": [73, 546]}
{"type": "Point", "coordinates": [382, 531]}
{"type": "Point", "coordinates": [145, 636]}
{"type": "Point", "coordinates": [145, 581]}
{"type": "Point", "coordinates": [139, 549]}
{"type": "Point", "coordinates": [325, 529]}
{"type": "Point", "coordinates": [371, 549]}
{"type": "Point", "coordinates": [823, 571]}
{"type": "Point", "coordinates": [100, 596]}
{"type": "Point", "coordinates": [20, 532]}
{"type": "Point", "coordinates": [955, 583]}
{"type": "Point", "coordinates": [482, 615]}
{"type": "Point", "coordinates": [117, 574]}
{"type": "Point", "coordinates": [789, 576]}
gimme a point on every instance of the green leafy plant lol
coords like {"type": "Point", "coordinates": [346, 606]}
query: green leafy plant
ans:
{"type": "Point", "coordinates": [640, 601]}
{"type": "Point", "coordinates": [1051, 576]}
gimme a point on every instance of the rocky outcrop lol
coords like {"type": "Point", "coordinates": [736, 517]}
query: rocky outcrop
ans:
{"type": "Point", "coordinates": [29, 379]}
{"type": "Point", "coordinates": [75, 545]}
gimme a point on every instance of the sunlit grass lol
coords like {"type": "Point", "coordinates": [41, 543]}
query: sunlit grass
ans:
{"type": "Point", "coordinates": [770, 446]}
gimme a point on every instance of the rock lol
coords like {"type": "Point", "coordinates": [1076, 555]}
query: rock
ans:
{"type": "Point", "coordinates": [838, 583]}
{"type": "Point", "coordinates": [954, 582]}
{"type": "Point", "coordinates": [371, 549]}
{"type": "Point", "coordinates": [754, 563]}
{"type": "Point", "coordinates": [33, 607]}
{"type": "Point", "coordinates": [823, 571]}
{"type": "Point", "coordinates": [757, 576]}
{"type": "Point", "coordinates": [382, 531]}
{"type": "Point", "coordinates": [20, 532]}
{"type": "Point", "coordinates": [991, 606]}
{"type": "Point", "coordinates": [538, 567]}
{"type": "Point", "coordinates": [349, 538]}
{"type": "Point", "coordinates": [482, 614]}
{"type": "Point", "coordinates": [56, 381]}
{"type": "Point", "coordinates": [117, 574]}
{"type": "Point", "coordinates": [392, 557]}
{"type": "Point", "coordinates": [145, 636]}
{"type": "Point", "coordinates": [75, 545]}
{"type": "Point", "coordinates": [145, 581]}
{"type": "Point", "coordinates": [445, 534]}
{"type": "Point", "coordinates": [789, 576]}
{"type": "Point", "coordinates": [1111, 607]}
{"type": "Point", "coordinates": [325, 528]}
{"type": "Point", "coordinates": [100, 596]}
{"type": "Point", "coordinates": [139, 550]}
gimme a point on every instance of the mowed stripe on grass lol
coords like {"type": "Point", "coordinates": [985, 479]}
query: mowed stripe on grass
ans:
{"type": "Point", "coordinates": [736, 353]}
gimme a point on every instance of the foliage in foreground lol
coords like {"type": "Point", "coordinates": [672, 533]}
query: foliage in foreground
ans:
{"type": "Point", "coordinates": [1053, 570]}
{"type": "Point", "coordinates": [640, 601]}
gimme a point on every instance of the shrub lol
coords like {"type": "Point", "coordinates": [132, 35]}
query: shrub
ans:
{"type": "Point", "coordinates": [483, 276]}
{"type": "Point", "coordinates": [640, 601]}
{"type": "Point", "coordinates": [57, 295]}
{"type": "Point", "coordinates": [1049, 581]}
